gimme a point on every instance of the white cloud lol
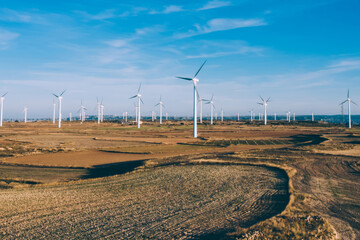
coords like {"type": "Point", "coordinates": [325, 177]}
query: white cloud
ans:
{"type": "Point", "coordinates": [169, 9]}
{"type": "Point", "coordinates": [215, 4]}
{"type": "Point", "coordinates": [104, 15]}
{"type": "Point", "coordinates": [6, 37]}
{"type": "Point", "coordinates": [21, 17]}
{"type": "Point", "coordinates": [223, 24]}
{"type": "Point", "coordinates": [118, 43]}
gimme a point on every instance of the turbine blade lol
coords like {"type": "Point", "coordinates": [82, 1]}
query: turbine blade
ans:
{"type": "Point", "coordinates": [354, 103]}
{"type": "Point", "coordinates": [343, 102]}
{"type": "Point", "coordinates": [197, 93]}
{"type": "Point", "coordinates": [139, 88]}
{"type": "Point", "coordinates": [157, 104]}
{"type": "Point", "coordinates": [4, 94]}
{"type": "Point", "coordinates": [348, 93]}
{"type": "Point", "coordinates": [55, 95]}
{"type": "Point", "coordinates": [63, 92]}
{"type": "Point", "coordinates": [102, 99]}
{"type": "Point", "coordinates": [260, 103]}
{"type": "Point", "coordinates": [133, 97]}
{"type": "Point", "coordinates": [268, 99]}
{"type": "Point", "coordinates": [141, 101]}
{"type": "Point", "coordinates": [261, 98]}
{"type": "Point", "coordinates": [200, 69]}
{"type": "Point", "coordinates": [188, 79]}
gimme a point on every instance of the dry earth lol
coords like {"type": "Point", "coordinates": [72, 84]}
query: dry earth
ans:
{"type": "Point", "coordinates": [41, 168]}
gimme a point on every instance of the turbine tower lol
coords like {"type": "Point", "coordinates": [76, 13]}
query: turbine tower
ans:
{"type": "Point", "coordinates": [54, 111]}
{"type": "Point", "coordinates": [349, 101]}
{"type": "Point", "coordinates": [201, 108]}
{"type": "Point", "coordinates": [264, 103]}
{"type": "Point", "coordinates": [99, 110]}
{"type": "Point", "coordinates": [160, 104]}
{"type": "Point", "coordinates": [25, 114]}
{"type": "Point", "coordinates": [2, 108]}
{"type": "Point", "coordinates": [59, 97]}
{"type": "Point", "coordinates": [138, 95]}
{"type": "Point", "coordinates": [82, 112]}
{"type": "Point", "coordinates": [196, 94]}
{"type": "Point", "coordinates": [211, 102]}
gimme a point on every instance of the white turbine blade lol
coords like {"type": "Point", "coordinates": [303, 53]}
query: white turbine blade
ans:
{"type": "Point", "coordinates": [55, 95]}
{"type": "Point", "coordinates": [200, 69]}
{"type": "Point", "coordinates": [141, 101]}
{"type": "Point", "coordinates": [197, 93]}
{"type": "Point", "coordinates": [348, 93]}
{"type": "Point", "coordinates": [139, 88]}
{"type": "Point", "coordinates": [133, 97]}
{"type": "Point", "coordinates": [184, 78]}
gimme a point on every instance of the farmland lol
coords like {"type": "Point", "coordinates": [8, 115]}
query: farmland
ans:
{"type": "Point", "coordinates": [237, 180]}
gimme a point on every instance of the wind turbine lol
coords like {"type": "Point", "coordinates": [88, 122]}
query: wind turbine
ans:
{"type": "Point", "coordinates": [138, 95]}
{"type": "Point", "coordinates": [82, 112]}
{"type": "Point", "coordinates": [264, 103]}
{"type": "Point", "coordinates": [201, 107]}
{"type": "Point", "coordinates": [102, 111]}
{"type": "Point", "coordinates": [59, 97]}
{"type": "Point", "coordinates": [196, 94]}
{"type": "Point", "coordinates": [25, 114]}
{"type": "Point", "coordinates": [312, 117]}
{"type": "Point", "coordinates": [160, 104]}
{"type": "Point", "coordinates": [349, 103]}
{"type": "Point", "coordinates": [211, 102]}
{"type": "Point", "coordinates": [275, 116]}
{"type": "Point", "coordinates": [222, 115]}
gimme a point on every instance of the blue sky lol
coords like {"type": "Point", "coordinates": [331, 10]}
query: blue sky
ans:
{"type": "Point", "coordinates": [303, 54]}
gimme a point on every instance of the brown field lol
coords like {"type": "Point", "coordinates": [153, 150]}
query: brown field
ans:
{"type": "Point", "coordinates": [236, 181]}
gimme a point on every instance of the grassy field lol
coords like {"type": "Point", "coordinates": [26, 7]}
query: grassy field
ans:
{"type": "Point", "coordinates": [238, 180]}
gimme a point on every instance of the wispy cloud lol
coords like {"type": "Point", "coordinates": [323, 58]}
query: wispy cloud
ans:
{"type": "Point", "coordinates": [10, 15]}
{"type": "Point", "coordinates": [104, 15]}
{"type": "Point", "coordinates": [133, 12]}
{"type": "Point", "coordinates": [215, 4]}
{"type": "Point", "coordinates": [6, 37]}
{"type": "Point", "coordinates": [169, 9]}
{"type": "Point", "coordinates": [223, 24]}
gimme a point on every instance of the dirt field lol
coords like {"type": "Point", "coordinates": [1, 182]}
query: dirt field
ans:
{"type": "Point", "coordinates": [39, 161]}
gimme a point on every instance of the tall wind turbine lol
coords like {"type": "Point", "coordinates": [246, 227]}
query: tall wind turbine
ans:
{"type": "Point", "coordinates": [82, 112]}
{"type": "Point", "coordinates": [349, 101]}
{"type": "Point", "coordinates": [264, 103]}
{"type": "Point", "coordinates": [138, 95]}
{"type": "Point", "coordinates": [194, 80]}
{"type": "Point", "coordinates": [25, 114]}
{"type": "Point", "coordinates": [160, 104]}
{"type": "Point", "coordinates": [59, 97]}
{"type": "Point", "coordinates": [211, 102]}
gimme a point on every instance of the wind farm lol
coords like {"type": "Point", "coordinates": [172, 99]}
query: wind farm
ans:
{"type": "Point", "coordinates": [153, 120]}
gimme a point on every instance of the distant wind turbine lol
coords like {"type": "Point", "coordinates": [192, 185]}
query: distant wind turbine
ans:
{"type": "Point", "coordinates": [349, 101]}
{"type": "Point", "coordinates": [196, 95]}
{"type": "Point", "coordinates": [138, 95]}
{"type": "Point", "coordinates": [54, 111]}
{"type": "Point", "coordinates": [59, 97]}
{"type": "Point", "coordinates": [212, 107]}
{"type": "Point", "coordinates": [99, 110]}
{"type": "Point", "coordinates": [160, 104]}
{"type": "Point", "coordinates": [264, 103]}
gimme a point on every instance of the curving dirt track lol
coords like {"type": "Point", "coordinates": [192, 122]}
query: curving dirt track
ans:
{"type": "Point", "coordinates": [181, 202]}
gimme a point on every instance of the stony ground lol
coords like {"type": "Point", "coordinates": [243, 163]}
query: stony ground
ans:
{"type": "Point", "coordinates": [180, 202]}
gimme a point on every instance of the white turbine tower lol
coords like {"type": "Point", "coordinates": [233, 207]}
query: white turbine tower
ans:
{"type": "Point", "coordinates": [25, 114]}
{"type": "Point", "coordinates": [201, 108]}
{"type": "Point", "coordinates": [138, 95]}
{"type": "Point", "coordinates": [211, 102]}
{"type": "Point", "coordinates": [59, 97]}
{"type": "Point", "coordinates": [54, 112]}
{"type": "Point", "coordinates": [275, 116]}
{"type": "Point", "coordinates": [160, 104]}
{"type": "Point", "coordinates": [312, 117]}
{"type": "Point", "coordinates": [196, 94]}
{"type": "Point", "coordinates": [222, 115]}
{"type": "Point", "coordinates": [349, 101]}
{"type": "Point", "coordinates": [98, 110]}
{"type": "Point", "coordinates": [102, 112]}
{"type": "Point", "coordinates": [2, 98]}
{"type": "Point", "coordinates": [70, 117]}
{"type": "Point", "coordinates": [82, 112]}
{"type": "Point", "coordinates": [264, 103]}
